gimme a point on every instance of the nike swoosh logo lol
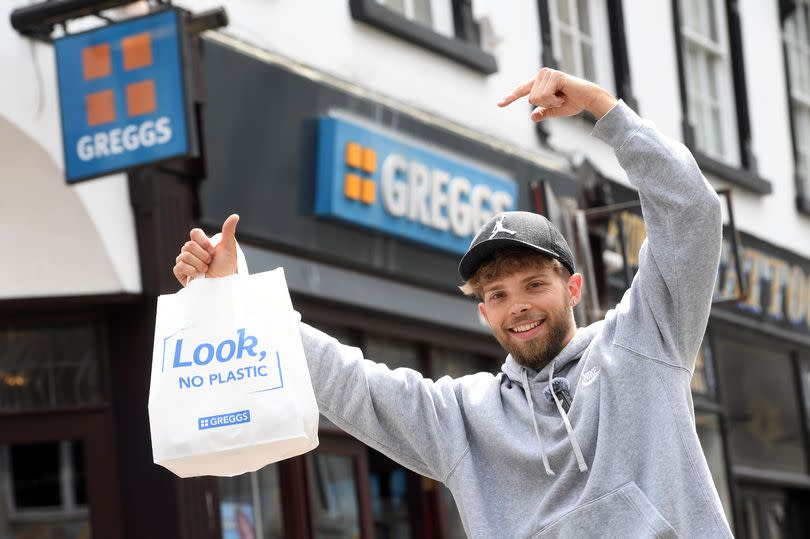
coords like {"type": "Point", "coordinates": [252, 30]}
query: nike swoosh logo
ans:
{"type": "Point", "coordinates": [589, 377]}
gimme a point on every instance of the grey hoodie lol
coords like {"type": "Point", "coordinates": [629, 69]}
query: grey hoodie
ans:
{"type": "Point", "coordinates": [631, 465]}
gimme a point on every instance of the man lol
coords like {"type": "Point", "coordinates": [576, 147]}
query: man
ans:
{"type": "Point", "coordinates": [586, 432]}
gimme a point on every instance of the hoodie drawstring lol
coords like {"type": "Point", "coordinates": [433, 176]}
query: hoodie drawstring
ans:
{"type": "Point", "coordinates": [534, 422]}
{"type": "Point", "coordinates": [571, 436]}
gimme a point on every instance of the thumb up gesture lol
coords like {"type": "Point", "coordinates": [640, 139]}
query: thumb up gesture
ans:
{"type": "Point", "coordinates": [199, 255]}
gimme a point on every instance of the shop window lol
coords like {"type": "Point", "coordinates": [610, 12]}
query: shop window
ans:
{"type": "Point", "coordinates": [391, 489]}
{"type": "Point", "coordinates": [711, 440]}
{"type": "Point", "coordinates": [714, 98]}
{"type": "Point", "coordinates": [45, 491]}
{"type": "Point", "coordinates": [392, 352]}
{"type": "Point", "coordinates": [759, 393]}
{"type": "Point", "coordinates": [581, 40]}
{"type": "Point", "coordinates": [703, 382]}
{"type": "Point", "coordinates": [334, 495]}
{"type": "Point", "coordinates": [797, 51]}
{"type": "Point", "coordinates": [445, 362]}
{"type": "Point", "coordinates": [250, 505]}
{"type": "Point", "coordinates": [446, 27]}
{"type": "Point", "coordinates": [49, 367]}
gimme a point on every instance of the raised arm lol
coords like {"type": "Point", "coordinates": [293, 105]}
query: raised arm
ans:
{"type": "Point", "coordinates": [413, 420]}
{"type": "Point", "coordinates": [664, 313]}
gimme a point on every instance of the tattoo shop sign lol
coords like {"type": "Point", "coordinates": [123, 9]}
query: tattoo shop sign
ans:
{"type": "Point", "coordinates": [777, 283]}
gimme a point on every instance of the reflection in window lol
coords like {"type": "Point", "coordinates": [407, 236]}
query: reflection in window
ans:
{"type": "Point", "coordinates": [434, 14]}
{"type": "Point", "coordinates": [711, 439]}
{"type": "Point", "coordinates": [335, 504]}
{"type": "Point", "coordinates": [394, 353]}
{"type": "Point", "coordinates": [44, 491]}
{"type": "Point", "coordinates": [457, 364]}
{"type": "Point", "coordinates": [762, 405]}
{"type": "Point", "coordinates": [703, 379]}
{"type": "Point", "coordinates": [390, 493]}
{"type": "Point", "coordinates": [250, 505]}
{"type": "Point", "coordinates": [48, 367]}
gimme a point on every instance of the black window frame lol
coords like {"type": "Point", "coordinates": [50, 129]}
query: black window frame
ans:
{"type": "Point", "coordinates": [465, 48]}
{"type": "Point", "coordinates": [786, 9]}
{"type": "Point", "coordinates": [618, 48]}
{"type": "Point", "coordinates": [746, 175]}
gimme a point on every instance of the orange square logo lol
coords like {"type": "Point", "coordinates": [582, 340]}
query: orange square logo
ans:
{"type": "Point", "coordinates": [96, 62]}
{"type": "Point", "coordinates": [368, 192]}
{"type": "Point", "coordinates": [354, 153]}
{"type": "Point", "coordinates": [141, 97]}
{"type": "Point", "coordinates": [352, 186]}
{"type": "Point", "coordinates": [369, 160]}
{"type": "Point", "coordinates": [100, 107]}
{"type": "Point", "coordinates": [137, 51]}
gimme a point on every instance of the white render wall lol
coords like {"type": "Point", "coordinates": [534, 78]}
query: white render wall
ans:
{"type": "Point", "coordinates": [58, 239]}
{"type": "Point", "coordinates": [321, 34]}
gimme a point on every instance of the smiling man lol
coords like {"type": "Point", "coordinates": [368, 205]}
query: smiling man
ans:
{"type": "Point", "coordinates": [585, 432]}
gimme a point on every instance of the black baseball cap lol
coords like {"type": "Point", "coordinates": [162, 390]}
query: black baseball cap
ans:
{"type": "Point", "coordinates": [516, 229]}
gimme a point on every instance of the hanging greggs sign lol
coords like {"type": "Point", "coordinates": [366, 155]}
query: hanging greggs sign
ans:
{"type": "Point", "coordinates": [390, 183]}
{"type": "Point", "coordinates": [122, 95]}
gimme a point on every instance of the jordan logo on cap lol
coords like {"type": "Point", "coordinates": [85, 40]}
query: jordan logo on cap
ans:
{"type": "Point", "coordinates": [500, 228]}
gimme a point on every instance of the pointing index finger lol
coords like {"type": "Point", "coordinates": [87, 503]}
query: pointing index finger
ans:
{"type": "Point", "coordinates": [521, 91]}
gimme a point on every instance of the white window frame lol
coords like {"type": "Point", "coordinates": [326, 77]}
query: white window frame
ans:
{"type": "Point", "coordinates": [69, 510]}
{"type": "Point", "coordinates": [716, 61]}
{"type": "Point", "coordinates": [441, 15]}
{"type": "Point", "coordinates": [797, 44]}
{"type": "Point", "coordinates": [599, 40]}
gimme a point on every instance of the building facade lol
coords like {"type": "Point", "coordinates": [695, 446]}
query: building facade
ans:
{"type": "Point", "coordinates": [360, 143]}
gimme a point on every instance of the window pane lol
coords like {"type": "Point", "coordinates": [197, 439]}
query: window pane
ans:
{"type": "Point", "coordinates": [48, 367]}
{"type": "Point", "coordinates": [703, 379]}
{"type": "Point", "coordinates": [79, 474]}
{"type": "Point", "coordinates": [35, 475]}
{"type": "Point", "coordinates": [236, 507]}
{"type": "Point", "coordinates": [763, 406]}
{"type": "Point", "coordinates": [711, 440]}
{"type": "Point", "coordinates": [710, 25]}
{"type": "Point", "coordinates": [334, 496]}
{"type": "Point", "coordinates": [270, 501]}
{"type": "Point", "coordinates": [567, 62]}
{"type": "Point", "coordinates": [395, 5]}
{"type": "Point", "coordinates": [389, 492]}
{"type": "Point", "coordinates": [584, 17]}
{"type": "Point", "coordinates": [457, 364]}
{"type": "Point", "coordinates": [587, 61]}
{"type": "Point", "coordinates": [421, 12]}
{"type": "Point", "coordinates": [562, 12]}
{"type": "Point", "coordinates": [393, 352]}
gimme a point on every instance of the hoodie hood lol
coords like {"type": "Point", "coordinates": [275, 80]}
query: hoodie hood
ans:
{"type": "Point", "coordinates": [571, 353]}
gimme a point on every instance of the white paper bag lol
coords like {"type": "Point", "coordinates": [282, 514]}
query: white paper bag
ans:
{"type": "Point", "coordinates": [230, 389]}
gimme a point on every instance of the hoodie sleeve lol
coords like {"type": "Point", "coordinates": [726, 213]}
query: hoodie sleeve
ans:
{"type": "Point", "coordinates": [412, 420]}
{"type": "Point", "coordinates": [663, 316]}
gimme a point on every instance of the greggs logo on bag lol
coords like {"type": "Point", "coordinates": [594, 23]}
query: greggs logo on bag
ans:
{"type": "Point", "coordinates": [200, 363]}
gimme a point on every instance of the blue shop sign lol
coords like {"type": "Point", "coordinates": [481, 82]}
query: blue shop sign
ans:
{"type": "Point", "coordinates": [123, 96]}
{"type": "Point", "coordinates": [388, 182]}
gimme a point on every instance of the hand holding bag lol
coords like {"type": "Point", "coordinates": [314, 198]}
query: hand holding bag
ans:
{"type": "Point", "coordinates": [230, 389]}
